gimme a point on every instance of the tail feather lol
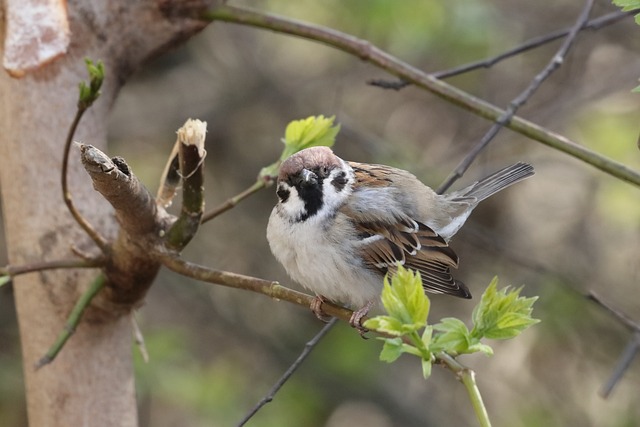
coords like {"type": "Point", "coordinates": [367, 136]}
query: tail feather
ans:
{"type": "Point", "coordinates": [497, 181]}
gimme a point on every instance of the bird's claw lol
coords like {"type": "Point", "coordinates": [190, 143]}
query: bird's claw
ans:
{"type": "Point", "coordinates": [316, 308]}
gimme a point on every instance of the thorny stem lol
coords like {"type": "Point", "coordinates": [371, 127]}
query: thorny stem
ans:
{"type": "Point", "coordinates": [233, 201]}
{"type": "Point", "coordinates": [66, 194]}
{"type": "Point", "coordinates": [370, 53]}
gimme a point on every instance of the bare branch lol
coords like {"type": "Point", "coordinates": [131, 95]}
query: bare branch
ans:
{"type": "Point", "coordinates": [370, 53]}
{"type": "Point", "coordinates": [233, 201]}
{"type": "Point", "coordinates": [16, 270]}
{"type": "Point", "coordinates": [306, 351]}
{"type": "Point", "coordinates": [594, 24]}
{"type": "Point", "coordinates": [254, 284]}
{"type": "Point", "coordinates": [630, 351]}
{"type": "Point", "coordinates": [520, 100]}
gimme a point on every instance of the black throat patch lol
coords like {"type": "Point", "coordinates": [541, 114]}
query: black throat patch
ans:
{"type": "Point", "coordinates": [311, 195]}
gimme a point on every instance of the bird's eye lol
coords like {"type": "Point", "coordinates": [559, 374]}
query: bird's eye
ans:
{"type": "Point", "coordinates": [324, 171]}
{"type": "Point", "coordinates": [283, 194]}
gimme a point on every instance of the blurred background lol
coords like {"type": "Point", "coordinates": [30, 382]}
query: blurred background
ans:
{"type": "Point", "coordinates": [214, 352]}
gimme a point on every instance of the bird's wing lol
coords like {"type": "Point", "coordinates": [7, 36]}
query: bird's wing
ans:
{"type": "Point", "coordinates": [389, 236]}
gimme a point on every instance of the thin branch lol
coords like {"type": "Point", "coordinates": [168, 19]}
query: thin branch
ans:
{"type": "Point", "coordinates": [254, 284]}
{"type": "Point", "coordinates": [73, 320]}
{"type": "Point", "coordinates": [594, 24]}
{"type": "Point", "coordinates": [308, 348]}
{"type": "Point", "coordinates": [16, 270]}
{"type": "Point", "coordinates": [233, 201]}
{"type": "Point", "coordinates": [66, 194]}
{"type": "Point", "coordinates": [631, 350]}
{"type": "Point", "coordinates": [520, 100]}
{"type": "Point", "coordinates": [368, 52]}
{"type": "Point", "coordinates": [620, 316]}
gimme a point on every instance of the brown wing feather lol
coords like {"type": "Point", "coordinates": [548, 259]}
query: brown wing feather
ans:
{"type": "Point", "coordinates": [399, 238]}
{"type": "Point", "coordinates": [423, 251]}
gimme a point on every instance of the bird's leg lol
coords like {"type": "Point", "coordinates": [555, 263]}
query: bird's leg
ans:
{"type": "Point", "coordinates": [356, 318]}
{"type": "Point", "coordinates": [316, 307]}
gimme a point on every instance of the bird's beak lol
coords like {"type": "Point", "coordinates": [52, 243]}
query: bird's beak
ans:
{"type": "Point", "coordinates": [308, 177]}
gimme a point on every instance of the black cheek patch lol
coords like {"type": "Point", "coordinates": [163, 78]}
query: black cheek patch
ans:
{"type": "Point", "coordinates": [339, 181]}
{"type": "Point", "coordinates": [283, 194]}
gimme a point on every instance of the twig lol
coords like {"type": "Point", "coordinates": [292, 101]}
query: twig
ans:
{"type": "Point", "coordinates": [233, 280]}
{"type": "Point", "coordinates": [630, 351]}
{"type": "Point", "coordinates": [72, 320]}
{"type": "Point", "coordinates": [518, 101]}
{"type": "Point", "coordinates": [233, 201]}
{"type": "Point", "coordinates": [16, 270]}
{"type": "Point", "coordinates": [308, 348]}
{"type": "Point", "coordinates": [594, 24]}
{"type": "Point", "coordinates": [620, 316]}
{"type": "Point", "coordinates": [368, 52]}
{"type": "Point", "coordinates": [66, 194]}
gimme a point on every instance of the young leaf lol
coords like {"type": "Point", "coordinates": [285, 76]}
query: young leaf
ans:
{"type": "Point", "coordinates": [90, 92]}
{"type": "Point", "coordinates": [454, 337]}
{"type": "Point", "coordinates": [502, 314]}
{"type": "Point", "coordinates": [310, 132]}
{"type": "Point", "coordinates": [301, 134]}
{"type": "Point", "coordinates": [405, 301]}
{"type": "Point", "coordinates": [391, 350]}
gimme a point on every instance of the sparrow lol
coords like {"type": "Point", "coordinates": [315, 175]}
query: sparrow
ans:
{"type": "Point", "coordinates": [339, 227]}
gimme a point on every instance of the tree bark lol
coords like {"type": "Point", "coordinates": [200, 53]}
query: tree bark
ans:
{"type": "Point", "coordinates": [91, 382]}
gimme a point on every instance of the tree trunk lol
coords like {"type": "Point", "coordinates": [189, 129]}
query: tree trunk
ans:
{"type": "Point", "coordinates": [91, 381]}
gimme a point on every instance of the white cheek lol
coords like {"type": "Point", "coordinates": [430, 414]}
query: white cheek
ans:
{"type": "Point", "coordinates": [333, 198]}
{"type": "Point", "coordinates": [294, 206]}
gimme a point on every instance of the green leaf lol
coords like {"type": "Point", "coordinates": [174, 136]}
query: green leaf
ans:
{"type": "Point", "coordinates": [637, 88]}
{"type": "Point", "coordinates": [90, 92]}
{"type": "Point", "coordinates": [310, 132]}
{"type": "Point", "coordinates": [627, 5]}
{"type": "Point", "coordinates": [454, 337]}
{"type": "Point", "coordinates": [385, 324]}
{"type": "Point", "coordinates": [482, 348]}
{"type": "Point", "coordinates": [391, 350]}
{"type": "Point", "coordinates": [404, 299]}
{"type": "Point", "coordinates": [426, 368]}
{"type": "Point", "coordinates": [501, 314]}
{"type": "Point", "coordinates": [4, 280]}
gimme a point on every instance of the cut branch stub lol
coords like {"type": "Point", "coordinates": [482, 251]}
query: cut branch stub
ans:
{"type": "Point", "coordinates": [130, 267]}
{"type": "Point", "coordinates": [191, 154]}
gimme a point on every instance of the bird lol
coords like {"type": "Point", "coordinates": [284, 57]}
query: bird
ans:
{"type": "Point", "coordinates": [339, 227]}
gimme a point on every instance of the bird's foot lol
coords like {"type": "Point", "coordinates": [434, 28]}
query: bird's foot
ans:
{"type": "Point", "coordinates": [356, 318]}
{"type": "Point", "coordinates": [316, 307]}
